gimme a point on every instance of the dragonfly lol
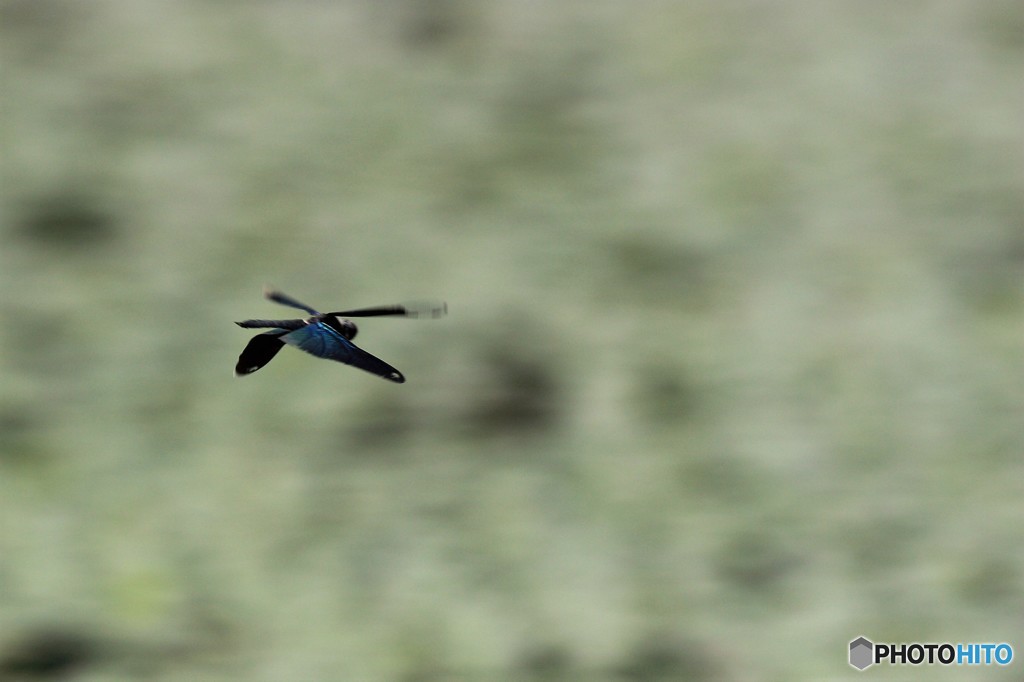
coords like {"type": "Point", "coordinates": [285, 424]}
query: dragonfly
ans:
{"type": "Point", "coordinates": [325, 335]}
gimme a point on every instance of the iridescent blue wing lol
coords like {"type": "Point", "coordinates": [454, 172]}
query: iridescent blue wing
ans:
{"type": "Point", "coordinates": [260, 350]}
{"type": "Point", "coordinates": [316, 338]}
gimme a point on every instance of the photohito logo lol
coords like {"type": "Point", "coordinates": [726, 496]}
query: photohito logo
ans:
{"type": "Point", "coordinates": [864, 653]}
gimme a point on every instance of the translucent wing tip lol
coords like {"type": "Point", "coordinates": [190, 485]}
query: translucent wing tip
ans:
{"type": "Point", "coordinates": [431, 309]}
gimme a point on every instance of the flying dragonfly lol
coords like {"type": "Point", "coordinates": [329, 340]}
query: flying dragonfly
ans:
{"type": "Point", "coordinates": [325, 335]}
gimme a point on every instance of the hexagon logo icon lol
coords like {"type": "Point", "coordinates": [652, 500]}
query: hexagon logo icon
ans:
{"type": "Point", "coordinates": [861, 653]}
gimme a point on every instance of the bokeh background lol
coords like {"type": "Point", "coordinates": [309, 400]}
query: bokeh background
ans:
{"type": "Point", "coordinates": [732, 373]}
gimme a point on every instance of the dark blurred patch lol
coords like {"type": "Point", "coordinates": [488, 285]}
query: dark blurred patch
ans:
{"type": "Point", "coordinates": [519, 395]}
{"type": "Point", "coordinates": [755, 560]}
{"type": "Point", "coordinates": [142, 105]}
{"type": "Point", "coordinates": [48, 654]}
{"type": "Point", "coordinates": [1001, 24]}
{"type": "Point", "coordinates": [989, 277]}
{"type": "Point", "coordinates": [669, 659]}
{"type": "Point", "coordinates": [379, 425]}
{"type": "Point", "coordinates": [424, 25]}
{"type": "Point", "coordinates": [883, 545]}
{"type": "Point", "coordinates": [991, 582]}
{"type": "Point", "coordinates": [66, 219]}
{"type": "Point", "coordinates": [14, 424]}
{"type": "Point", "coordinates": [61, 652]}
{"type": "Point", "coordinates": [43, 29]}
{"type": "Point", "coordinates": [665, 396]}
{"type": "Point", "coordinates": [433, 23]}
{"type": "Point", "coordinates": [545, 664]}
{"type": "Point", "coordinates": [661, 272]}
{"type": "Point", "coordinates": [473, 182]}
{"type": "Point", "coordinates": [17, 445]}
{"type": "Point", "coordinates": [719, 476]}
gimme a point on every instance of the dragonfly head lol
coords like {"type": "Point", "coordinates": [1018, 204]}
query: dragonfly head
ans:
{"type": "Point", "coordinates": [343, 326]}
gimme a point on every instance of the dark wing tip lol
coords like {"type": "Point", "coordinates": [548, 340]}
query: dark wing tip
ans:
{"type": "Point", "coordinates": [244, 370]}
{"type": "Point", "coordinates": [396, 377]}
{"type": "Point", "coordinates": [260, 350]}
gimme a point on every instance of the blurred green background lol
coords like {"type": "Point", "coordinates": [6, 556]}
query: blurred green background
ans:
{"type": "Point", "coordinates": [732, 372]}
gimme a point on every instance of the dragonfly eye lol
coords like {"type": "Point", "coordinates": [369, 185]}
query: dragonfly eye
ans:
{"type": "Point", "coordinates": [343, 326]}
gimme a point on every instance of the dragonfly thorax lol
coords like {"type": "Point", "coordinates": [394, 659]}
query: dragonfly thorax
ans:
{"type": "Point", "coordinates": [343, 326]}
